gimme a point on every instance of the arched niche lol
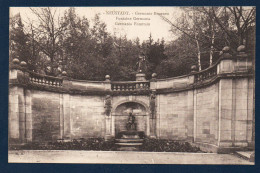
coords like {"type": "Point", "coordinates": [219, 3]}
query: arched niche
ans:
{"type": "Point", "coordinates": [121, 115]}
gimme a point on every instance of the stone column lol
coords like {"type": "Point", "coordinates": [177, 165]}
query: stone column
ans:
{"type": "Point", "coordinates": [148, 124]}
{"type": "Point", "coordinates": [16, 102]}
{"type": "Point", "coordinates": [28, 111]}
{"type": "Point", "coordinates": [226, 113]}
{"type": "Point", "coordinates": [66, 116]}
{"type": "Point", "coordinates": [226, 65]}
{"type": "Point", "coordinates": [65, 108]}
{"type": "Point", "coordinates": [108, 107]}
{"type": "Point", "coordinates": [13, 117]}
{"type": "Point", "coordinates": [190, 116]}
{"type": "Point", "coordinates": [226, 96]}
{"type": "Point", "coordinates": [108, 133]}
{"type": "Point", "coordinates": [251, 114]}
{"type": "Point", "coordinates": [153, 105]}
{"type": "Point", "coordinates": [61, 117]}
{"type": "Point", "coordinates": [22, 114]}
{"type": "Point", "coordinates": [109, 124]}
{"type": "Point", "coordinates": [194, 114]}
{"type": "Point", "coordinates": [157, 120]}
{"type": "Point", "coordinates": [113, 125]}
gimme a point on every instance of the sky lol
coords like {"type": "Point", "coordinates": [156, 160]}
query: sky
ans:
{"type": "Point", "coordinates": [130, 21]}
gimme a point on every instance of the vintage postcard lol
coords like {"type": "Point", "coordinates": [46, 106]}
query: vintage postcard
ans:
{"type": "Point", "coordinates": [132, 85]}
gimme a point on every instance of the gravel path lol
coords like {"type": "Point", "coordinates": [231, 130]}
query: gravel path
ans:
{"type": "Point", "coordinates": [121, 157]}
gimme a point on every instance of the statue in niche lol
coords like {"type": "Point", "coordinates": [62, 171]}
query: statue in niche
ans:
{"type": "Point", "coordinates": [108, 105]}
{"type": "Point", "coordinates": [131, 124]}
{"type": "Point", "coordinates": [152, 104]}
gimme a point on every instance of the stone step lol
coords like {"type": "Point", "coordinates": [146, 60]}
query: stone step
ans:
{"type": "Point", "coordinates": [130, 136]}
{"type": "Point", "coordinates": [129, 144]}
{"type": "Point", "coordinates": [129, 140]}
{"type": "Point", "coordinates": [127, 149]}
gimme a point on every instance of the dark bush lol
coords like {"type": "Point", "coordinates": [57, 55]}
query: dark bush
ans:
{"type": "Point", "coordinates": [164, 145]}
{"type": "Point", "coordinates": [99, 144]}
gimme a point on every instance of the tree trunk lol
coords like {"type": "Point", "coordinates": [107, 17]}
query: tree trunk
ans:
{"type": "Point", "coordinates": [212, 43]}
{"type": "Point", "coordinates": [198, 47]}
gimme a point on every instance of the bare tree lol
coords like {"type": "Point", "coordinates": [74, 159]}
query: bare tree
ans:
{"type": "Point", "coordinates": [233, 22]}
{"type": "Point", "coordinates": [240, 20]}
{"type": "Point", "coordinates": [190, 24]}
{"type": "Point", "coordinates": [47, 31]}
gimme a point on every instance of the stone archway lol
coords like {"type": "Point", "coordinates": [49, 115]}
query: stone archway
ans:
{"type": "Point", "coordinates": [120, 115]}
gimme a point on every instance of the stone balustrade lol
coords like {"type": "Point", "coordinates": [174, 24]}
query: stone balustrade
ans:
{"type": "Point", "coordinates": [208, 73]}
{"type": "Point", "coordinates": [45, 80]}
{"type": "Point", "coordinates": [239, 63]}
{"type": "Point", "coordinates": [129, 86]}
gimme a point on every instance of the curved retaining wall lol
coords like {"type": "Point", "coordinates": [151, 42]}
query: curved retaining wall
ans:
{"type": "Point", "coordinates": [213, 108]}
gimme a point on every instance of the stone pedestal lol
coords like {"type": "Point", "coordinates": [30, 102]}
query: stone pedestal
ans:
{"type": "Point", "coordinates": [140, 77]}
{"type": "Point", "coordinates": [130, 140]}
{"type": "Point", "coordinates": [108, 134]}
{"type": "Point", "coordinates": [153, 128]}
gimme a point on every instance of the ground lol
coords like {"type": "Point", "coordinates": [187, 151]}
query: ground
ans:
{"type": "Point", "coordinates": [120, 157]}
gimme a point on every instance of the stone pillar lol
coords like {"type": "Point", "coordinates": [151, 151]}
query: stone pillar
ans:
{"type": "Point", "coordinates": [245, 91]}
{"type": "Point", "coordinates": [22, 114]}
{"type": "Point", "coordinates": [153, 106]}
{"type": "Point", "coordinates": [194, 115]}
{"type": "Point", "coordinates": [108, 106]}
{"type": "Point", "coordinates": [107, 83]}
{"type": "Point", "coordinates": [157, 120]}
{"type": "Point", "coordinates": [108, 133]}
{"type": "Point", "coordinates": [66, 83]}
{"type": "Point", "coordinates": [16, 114]}
{"type": "Point", "coordinates": [113, 125]}
{"type": "Point", "coordinates": [66, 116]}
{"type": "Point", "coordinates": [226, 113]}
{"type": "Point", "coordinates": [243, 61]}
{"type": "Point", "coordinates": [61, 117]}
{"type": "Point", "coordinates": [65, 119]}
{"type": "Point", "coordinates": [226, 64]}
{"type": "Point", "coordinates": [190, 116]}
{"type": "Point", "coordinates": [28, 111]}
{"type": "Point", "coordinates": [13, 117]}
{"type": "Point", "coordinates": [250, 114]}
{"type": "Point", "coordinates": [148, 124]}
{"type": "Point", "coordinates": [16, 102]}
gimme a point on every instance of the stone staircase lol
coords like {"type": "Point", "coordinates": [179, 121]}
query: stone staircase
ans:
{"type": "Point", "coordinates": [129, 140]}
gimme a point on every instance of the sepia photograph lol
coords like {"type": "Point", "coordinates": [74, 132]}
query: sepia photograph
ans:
{"type": "Point", "coordinates": [132, 85]}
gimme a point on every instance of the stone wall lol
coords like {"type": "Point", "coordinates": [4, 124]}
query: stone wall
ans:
{"type": "Point", "coordinates": [42, 116]}
{"type": "Point", "coordinates": [175, 115]}
{"type": "Point", "coordinates": [206, 114]}
{"type": "Point", "coordinates": [220, 114]}
{"type": "Point", "coordinates": [45, 116]}
{"type": "Point", "coordinates": [87, 116]}
{"type": "Point", "coordinates": [236, 112]}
